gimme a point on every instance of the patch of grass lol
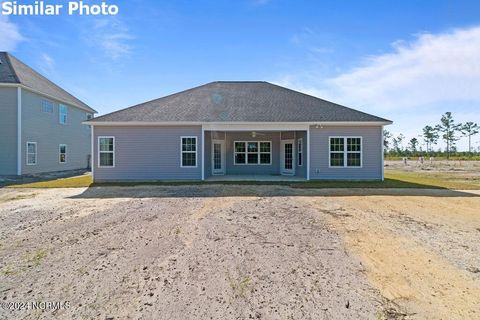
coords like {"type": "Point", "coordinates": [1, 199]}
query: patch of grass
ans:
{"type": "Point", "coordinates": [19, 197]}
{"type": "Point", "coordinates": [437, 179]}
{"type": "Point", "coordinates": [241, 287]}
{"type": "Point", "coordinates": [36, 257]}
{"type": "Point", "coordinates": [74, 182]}
{"type": "Point", "coordinates": [397, 179]}
{"type": "Point", "coordinates": [9, 272]}
{"type": "Point", "coordinates": [393, 179]}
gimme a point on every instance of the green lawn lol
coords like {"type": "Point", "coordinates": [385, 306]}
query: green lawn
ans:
{"type": "Point", "coordinates": [74, 182]}
{"type": "Point", "coordinates": [393, 179]}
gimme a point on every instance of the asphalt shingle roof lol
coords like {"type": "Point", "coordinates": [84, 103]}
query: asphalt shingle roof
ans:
{"type": "Point", "coordinates": [238, 101]}
{"type": "Point", "coordinates": [13, 71]}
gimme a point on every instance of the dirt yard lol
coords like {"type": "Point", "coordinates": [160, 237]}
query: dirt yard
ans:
{"type": "Point", "coordinates": [240, 252]}
{"type": "Point", "coordinates": [453, 170]}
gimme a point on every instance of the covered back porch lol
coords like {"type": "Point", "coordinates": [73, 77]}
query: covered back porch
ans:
{"type": "Point", "coordinates": [255, 154]}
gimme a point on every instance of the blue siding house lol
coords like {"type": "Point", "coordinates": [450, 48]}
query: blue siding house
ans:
{"type": "Point", "coordinates": [41, 125]}
{"type": "Point", "coordinates": [237, 130]}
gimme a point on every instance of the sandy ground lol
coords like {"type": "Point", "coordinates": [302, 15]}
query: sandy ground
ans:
{"type": "Point", "coordinates": [240, 252]}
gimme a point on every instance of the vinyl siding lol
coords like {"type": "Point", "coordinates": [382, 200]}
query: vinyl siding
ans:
{"type": "Point", "coordinates": [301, 171]}
{"type": "Point", "coordinates": [45, 129]}
{"type": "Point", "coordinates": [148, 153]}
{"type": "Point", "coordinates": [8, 131]}
{"type": "Point", "coordinates": [372, 153]}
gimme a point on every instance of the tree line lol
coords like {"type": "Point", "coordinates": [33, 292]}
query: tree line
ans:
{"type": "Point", "coordinates": [446, 130]}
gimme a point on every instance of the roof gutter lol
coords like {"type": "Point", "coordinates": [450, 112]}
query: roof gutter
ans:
{"type": "Point", "coordinates": [233, 123]}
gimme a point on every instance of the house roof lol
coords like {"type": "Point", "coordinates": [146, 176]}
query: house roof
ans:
{"type": "Point", "coordinates": [13, 71]}
{"type": "Point", "coordinates": [238, 101]}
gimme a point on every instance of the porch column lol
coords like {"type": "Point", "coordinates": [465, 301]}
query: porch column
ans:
{"type": "Point", "coordinates": [308, 153]}
{"type": "Point", "coordinates": [203, 153]}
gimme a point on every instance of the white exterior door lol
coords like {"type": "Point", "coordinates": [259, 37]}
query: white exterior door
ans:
{"type": "Point", "coordinates": [287, 157]}
{"type": "Point", "coordinates": [218, 157]}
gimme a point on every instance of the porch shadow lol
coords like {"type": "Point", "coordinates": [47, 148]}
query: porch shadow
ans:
{"type": "Point", "coordinates": [207, 190]}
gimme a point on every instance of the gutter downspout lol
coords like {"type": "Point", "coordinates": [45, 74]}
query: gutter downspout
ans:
{"type": "Point", "coordinates": [308, 153]}
{"type": "Point", "coordinates": [19, 131]}
{"type": "Point", "coordinates": [92, 157]}
{"type": "Point", "coordinates": [383, 154]}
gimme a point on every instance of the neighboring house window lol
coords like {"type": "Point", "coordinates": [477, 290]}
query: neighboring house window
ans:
{"type": "Point", "coordinates": [47, 106]}
{"type": "Point", "coordinates": [300, 152]}
{"type": "Point", "coordinates": [106, 151]}
{"type": "Point", "coordinates": [62, 114]}
{"type": "Point", "coordinates": [189, 152]}
{"type": "Point", "coordinates": [62, 150]}
{"type": "Point", "coordinates": [345, 151]}
{"type": "Point", "coordinates": [31, 153]}
{"type": "Point", "coordinates": [89, 117]}
{"type": "Point", "coordinates": [252, 152]}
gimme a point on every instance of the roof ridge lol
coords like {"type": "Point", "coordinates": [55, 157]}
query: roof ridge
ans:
{"type": "Point", "coordinates": [239, 81]}
{"type": "Point", "coordinates": [7, 56]}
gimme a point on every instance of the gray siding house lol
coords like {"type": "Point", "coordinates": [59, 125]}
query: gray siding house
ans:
{"type": "Point", "coordinates": [234, 130]}
{"type": "Point", "coordinates": [41, 125]}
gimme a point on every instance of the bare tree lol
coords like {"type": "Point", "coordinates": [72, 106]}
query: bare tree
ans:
{"type": "Point", "coordinates": [470, 129]}
{"type": "Point", "coordinates": [386, 139]}
{"type": "Point", "coordinates": [448, 128]}
{"type": "Point", "coordinates": [397, 143]}
{"type": "Point", "coordinates": [430, 136]}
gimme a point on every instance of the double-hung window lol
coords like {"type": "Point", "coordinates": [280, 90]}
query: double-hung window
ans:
{"type": "Point", "coordinates": [189, 152]}
{"type": "Point", "coordinates": [62, 114]}
{"type": "Point", "coordinates": [47, 106]}
{"type": "Point", "coordinates": [106, 151]}
{"type": "Point", "coordinates": [300, 152]}
{"type": "Point", "coordinates": [345, 152]}
{"type": "Point", "coordinates": [62, 153]}
{"type": "Point", "coordinates": [31, 153]}
{"type": "Point", "coordinates": [252, 152]}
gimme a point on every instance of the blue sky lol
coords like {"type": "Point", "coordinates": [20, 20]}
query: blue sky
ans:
{"type": "Point", "coordinates": [409, 61]}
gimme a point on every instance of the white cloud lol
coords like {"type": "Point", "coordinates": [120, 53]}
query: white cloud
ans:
{"type": "Point", "coordinates": [9, 35]}
{"type": "Point", "coordinates": [47, 64]}
{"type": "Point", "coordinates": [112, 37]}
{"type": "Point", "coordinates": [431, 69]}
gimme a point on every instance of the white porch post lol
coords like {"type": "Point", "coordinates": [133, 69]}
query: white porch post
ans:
{"type": "Point", "coordinates": [203, 153]}
{"type": "Point", "coordinates": [308, 153]}
{"type": "Point", "coordinates": [383, 154]}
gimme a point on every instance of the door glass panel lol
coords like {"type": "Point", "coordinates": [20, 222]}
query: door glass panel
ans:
{"type": "Point", "coordinates": [217, 156]}
{"type": "Point", "coordinates": [288, 156]}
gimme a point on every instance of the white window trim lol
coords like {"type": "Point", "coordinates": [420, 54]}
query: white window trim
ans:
{"type": "Point", "coordinates": [98, 151]}
{"type": "Point", "coordinates": [246, 154]}
{"type": "Point", "coordinates": [182, 152]}
{"type": "Point", "coordinates": [300, 152]}
{"type": "Point", "coordinates": [27, 153]}
{"type": "Point", "coordinates": [43, 103]}
{"type": "Point", "coordinates": [60, 118]}
{"type": "Point", "coordinates": [59, 153]}
{"type": "Point", "coordinates": [345, 152]}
